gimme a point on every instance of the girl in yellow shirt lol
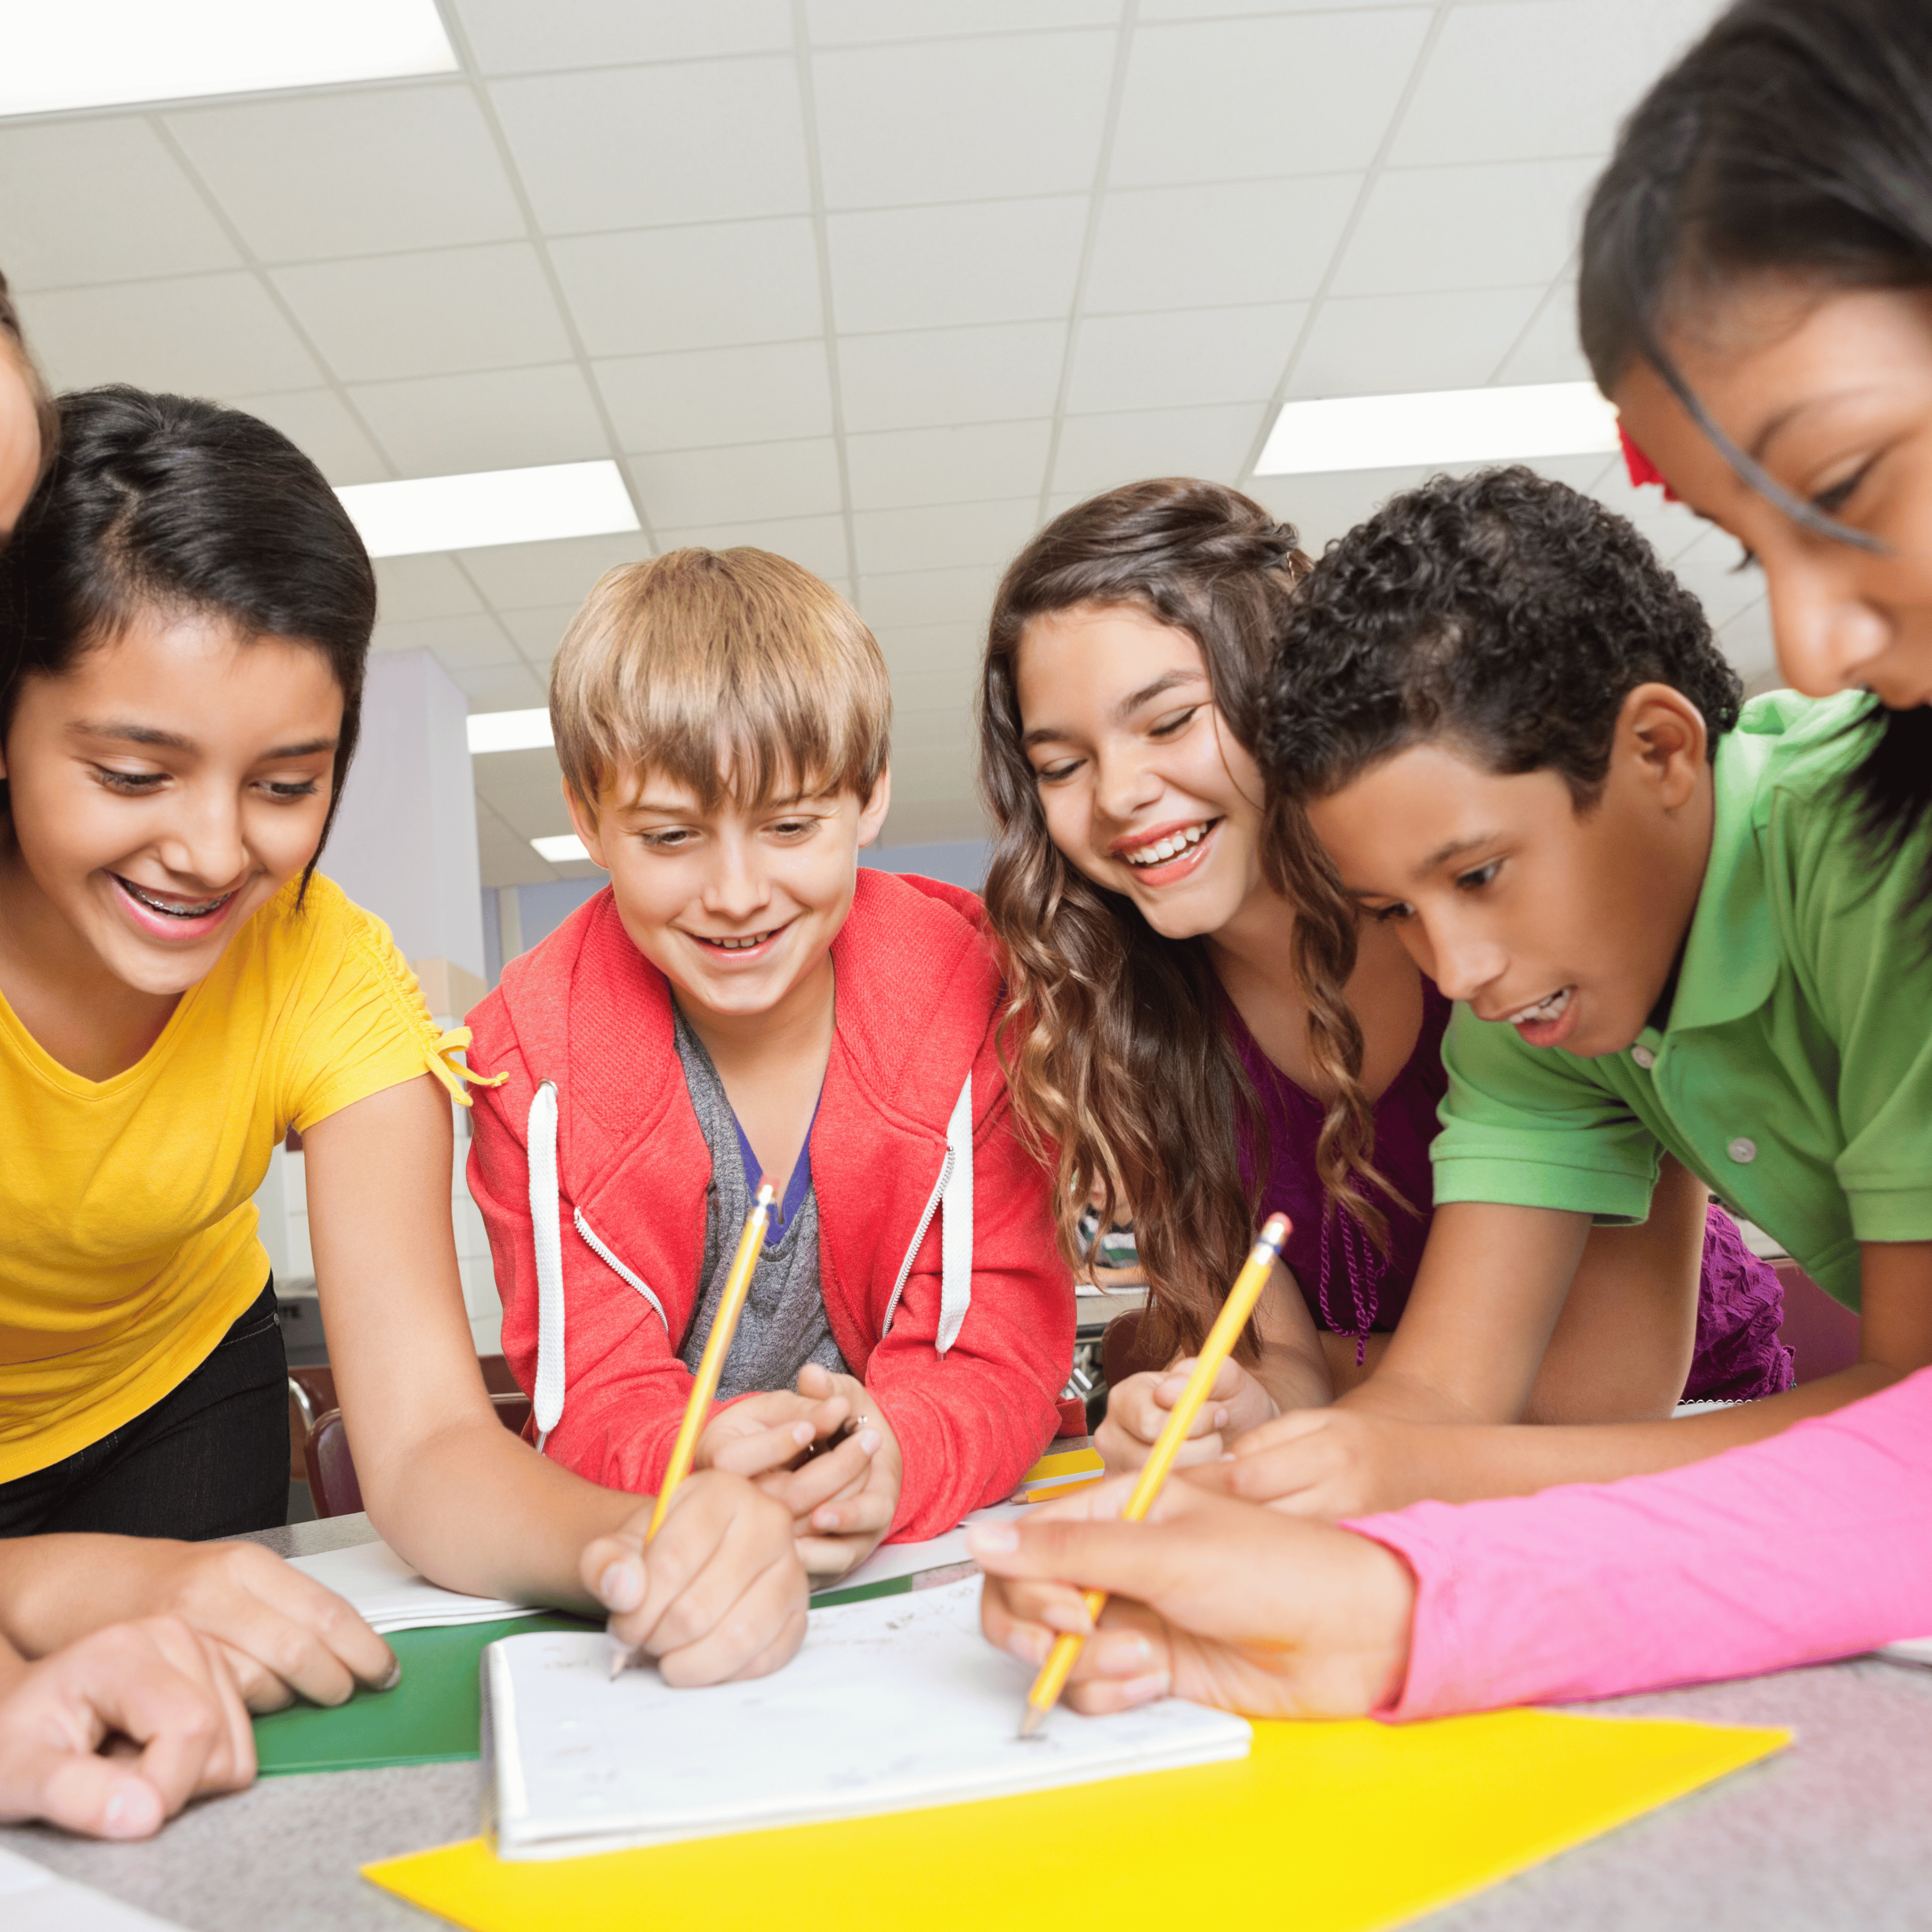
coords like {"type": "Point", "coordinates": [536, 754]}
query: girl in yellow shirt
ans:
{"type": "Point", "coordinates": [184, 614]}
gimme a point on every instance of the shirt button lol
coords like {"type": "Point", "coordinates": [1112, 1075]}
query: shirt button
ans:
{"type": "Point", "coordinates": [1742, 1150]}
{"type": "Point", "coordinates": [1644, 1057]}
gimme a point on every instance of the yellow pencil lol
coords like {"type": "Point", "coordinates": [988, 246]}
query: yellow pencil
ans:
{"type": "Point", "coordinates": [1216, 1350]}
{"type": "Point", "coordinates": [710, 1366]}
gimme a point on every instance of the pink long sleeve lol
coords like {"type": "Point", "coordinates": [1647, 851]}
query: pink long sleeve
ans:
{"type": "Point", "coordinates": [1816, 1543]}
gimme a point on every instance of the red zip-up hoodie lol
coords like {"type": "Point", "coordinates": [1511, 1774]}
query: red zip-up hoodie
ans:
{"type": "Point", "coordinates": [918, 993]}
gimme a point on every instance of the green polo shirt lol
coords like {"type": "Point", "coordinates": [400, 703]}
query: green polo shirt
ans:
{"type": "Point", "coordinates": [1796, 1074]}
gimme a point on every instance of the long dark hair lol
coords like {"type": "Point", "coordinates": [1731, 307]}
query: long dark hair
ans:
{"type": "Point", "coordinates": [1123, 1076]}
{"type": "Point", "coordinates": [1795, 138]}
{"type": "Point", "coordinates": [166, 501]}
{"type": "Point", "coordinates": [44, 414]}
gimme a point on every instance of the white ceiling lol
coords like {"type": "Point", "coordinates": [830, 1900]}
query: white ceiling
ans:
{"type": "Point", "coordinates": [878, 283]}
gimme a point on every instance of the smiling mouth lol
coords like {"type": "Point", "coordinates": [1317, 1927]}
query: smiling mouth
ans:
{"type": "Point", "coordinates": [1541, 1012]}
{"type": "Point", "coordinates": [738, 943]}
{"type": "Point", "coordinates": [172, 908]}
{"type": "Point", "coordinates": [1170, 846]}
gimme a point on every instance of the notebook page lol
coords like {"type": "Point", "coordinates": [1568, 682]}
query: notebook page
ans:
{"type": "Point", "coordinates": [890, 1705]}
{"type": "Point", "coordinates": [391, 1596]}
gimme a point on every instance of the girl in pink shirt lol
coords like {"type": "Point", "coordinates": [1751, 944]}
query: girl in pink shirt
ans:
{"type": "Point", "coordinates": [1756, 264]}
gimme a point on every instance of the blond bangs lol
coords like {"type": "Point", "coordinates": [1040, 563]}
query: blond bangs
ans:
{"type": "Point", "coordinates": [737, 673]}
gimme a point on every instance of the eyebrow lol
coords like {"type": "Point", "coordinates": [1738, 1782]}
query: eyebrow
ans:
{"type": "Point", "coordinates": [131, 734]}
{"type": "Point", "coordinates": [1128, 706]}
{"type": "Point", "coordinates": [1769, 432]}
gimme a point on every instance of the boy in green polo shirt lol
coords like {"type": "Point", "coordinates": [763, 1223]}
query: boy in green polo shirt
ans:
{"type": "Point", "coordinates": [1512, 731]}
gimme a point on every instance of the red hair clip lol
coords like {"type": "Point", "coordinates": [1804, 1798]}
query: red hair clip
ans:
{"type": "Point", "coordinates": [1642, 469]}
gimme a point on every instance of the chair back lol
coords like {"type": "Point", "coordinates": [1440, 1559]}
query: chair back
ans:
{"type": "Point", "coordinates": [332, 1484]}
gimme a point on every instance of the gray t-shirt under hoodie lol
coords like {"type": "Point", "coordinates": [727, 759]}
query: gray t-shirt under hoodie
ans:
{"type": "Point", "coordinates": [784, 1325]}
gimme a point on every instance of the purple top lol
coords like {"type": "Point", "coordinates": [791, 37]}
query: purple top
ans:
{"type": "Point", "coordinates": [1351, 1289]}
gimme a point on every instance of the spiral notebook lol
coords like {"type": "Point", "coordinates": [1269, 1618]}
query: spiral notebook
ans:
{"type": "Point", "coordinates": [893, 1704]}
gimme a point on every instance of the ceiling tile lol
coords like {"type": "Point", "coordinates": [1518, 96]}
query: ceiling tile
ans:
{"type": "Point", "coordinates": [817, 543]}
{"type": "Point", "coordinates": [1206, 102]}
{"type": "Point", "coordinates": [504, 687]}
{"type": "Point", "coordinates": [1186, 356]}
{"type": "Point", "coordinates": [411, 588]}
{"type": "Point", "coordinates": [324, 427]}
{"type": "Point", "coordinates": [936, 821]}
{"type": "Point", "coordinates": [691, 288]}
{"type": "Point", "coordinates": [1549, 352]}
{"type": "Point", "coordinates": [1522, 81]}
{"type": "Point", "coordinates": [754, 484]}
{"type": "Point", "coordinates": [1382, 345]}
{"type": "Point", "coordinates": [459, 642]}
{"type": "Point", "coordinates": [831, 22]}
{"type": "Point", "coordinates": [538, 633]}
{"type": "Point", "coordinates": [1747, 640]}
{"type": "Point", "coordinates": [524, 789]}
{"type": "Point", "coordinates": [1722, 589]}
{"type": "Point", "coordinates": [935, 375]}
{"type": "Point", "coordinates": [932, 268]}
{"type": "Point", "coordinates": [513, 36]}
{"type": "Point", "coordinates": [1097, 452]}
{"type": "Point", "coordinates": [942, 539]}
{"type": "Point", "coordinates": [774, 392]}
{"type": "Point", "coordinates": [933, 666]}
{"type": "Point", "coordinates": [428, 314]}
{"type": "Point", "coordinates": [360, 172]}
{"type": "Point", "coordinates": [100, 200]}
{"type": "Point", "coordinates": [1324, 508]}
{"type": "Point", "coordinates": [1209, 247]}
{"type": "Point", "coordinates": [1195, 10]}
{"type": "Point", "coordinates": [1494, 226]}
{"type": "Point", "coordinates": [505, 419]}
{"type": "Point", "coordinates": [962, 120]}
{"type": "Point", "coordinates": [200, 334]}
{"type": "Point", "coordinates": [929, 597]}
{"type": "Point", "coordinates": [650, 146]}
{"type": "Point", "coordinates": [539, 576]}
{"type": "Point", "coordinates": [893, 468]}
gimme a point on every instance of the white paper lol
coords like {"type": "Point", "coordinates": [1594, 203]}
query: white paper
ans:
{"type": "Point", "coordinates": [890, 1705]}
{"type": "Point", "coordinates": [41, 1901]}
{"type": "Point", "coordinates": [1908, 1650]}
{"type": "Point", "coordinates": [892, 1560]}
{"type": "Point", "coordinates": [391, 1596]}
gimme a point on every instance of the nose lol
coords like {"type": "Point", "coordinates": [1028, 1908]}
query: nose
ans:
{"type": "Point", "coordinates": [1123, 785]}
{"type": "Point", "coordinates": [1829, 638]}
{"type": "Point", "coordinates": [205, 845]}
{"type": "Point", "coordinates": [1461, 963]}
{"type": "Point", "coordinates": [736, 887]}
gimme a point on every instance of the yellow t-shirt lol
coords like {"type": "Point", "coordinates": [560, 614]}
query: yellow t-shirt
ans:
{"type": "Point", "coordinates": [127, 1243]}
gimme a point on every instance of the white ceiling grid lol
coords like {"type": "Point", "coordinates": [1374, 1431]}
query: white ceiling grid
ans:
{"type": "Point", "coordinates": [878, 284]}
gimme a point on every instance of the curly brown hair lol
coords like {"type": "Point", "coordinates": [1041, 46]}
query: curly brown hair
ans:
{"type": "Point", "coordinates": [1123, 1078]}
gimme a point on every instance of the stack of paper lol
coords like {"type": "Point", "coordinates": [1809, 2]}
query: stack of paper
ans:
{"type": "Point", "coordinates": [39, 1900]}
{"type": "Point", "coordinates": [391, 1596]}
{"type": "Point", "coordinates": [891, 1705]}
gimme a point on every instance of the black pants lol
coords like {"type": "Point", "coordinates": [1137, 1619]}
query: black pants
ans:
{"type": "Point", "coordinates": [210, 1458]}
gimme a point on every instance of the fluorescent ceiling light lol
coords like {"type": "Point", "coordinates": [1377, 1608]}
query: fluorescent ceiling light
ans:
{"type": "Point", "coordinates": [490, 506]}
{"type": "Point", "coordinates": [562, 848]}
{"type": "Point", "coordinates": [1438, 426]}
{"type": "Point", "coordinates": [508, 730]}
{"type": "Point", "coordinates": [104, 53]}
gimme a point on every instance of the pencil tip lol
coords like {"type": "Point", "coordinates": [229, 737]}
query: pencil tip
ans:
{"type": "Point", "coordinates": [1031, 1721]}
{"type": "Point", "coordinates": [620, 1657]}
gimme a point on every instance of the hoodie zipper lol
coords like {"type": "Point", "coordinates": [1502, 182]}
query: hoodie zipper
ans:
{"type": "Point", "coordinates": [919, 1235]}
{"type": "Point", "coordinates": [598, 1248]}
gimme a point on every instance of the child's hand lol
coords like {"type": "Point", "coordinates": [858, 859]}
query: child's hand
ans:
{"type": "Point", "coordinates": [720, 1593]}
{"type": "Point", "coordinates": [843, 1501]}
{"type": "Point", "coordinates": [158, 1693]}
{"type": "Point", "coordinates": [764, 1434]}
{"type": "Point", "coordinates": [1215, 1601]}
{"type": "Point", "coordinates": [1138, 1410]}
{"type": "Point", "coordinates": [1331, 1463]}
{"type": "Point", "coordinates": [283, 1634]}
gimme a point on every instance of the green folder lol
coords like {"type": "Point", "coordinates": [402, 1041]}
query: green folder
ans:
{"type": "Point", "coordinates": [433, 1716]}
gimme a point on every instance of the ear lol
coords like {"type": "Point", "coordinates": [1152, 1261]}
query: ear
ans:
{"type": "Point", "coordinates": [1662, 734]}
{"type": "Point", "coordinates": [872, 813]}
{"type": "Point", "coordinates": [583, 822]}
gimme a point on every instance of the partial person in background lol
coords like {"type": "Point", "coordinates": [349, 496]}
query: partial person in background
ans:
{"type": "Point", "coordinates": [1194, 1045]}
{"type": "Point", "coordinates": [1757, 297]}
{"type": "Point", "coordinates": [185, 612]}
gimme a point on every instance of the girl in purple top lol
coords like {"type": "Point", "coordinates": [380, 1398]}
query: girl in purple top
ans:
{"type": "Point", "coordinates": [1189, 1048]}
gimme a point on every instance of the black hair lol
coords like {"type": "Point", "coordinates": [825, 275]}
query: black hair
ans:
{"type": "Point", "coordinates": [1508, 613]}
{"type": "Point", "coordinates": [164, 502]}
{"type": "Point", "coordinates": [11, 331]}
{"type": "Point", "coordinates": [1795, 138]}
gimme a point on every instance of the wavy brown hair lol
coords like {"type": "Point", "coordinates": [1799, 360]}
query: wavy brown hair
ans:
{"type": "Point", "coordinates": [1123, 1078]}
{"type": "Point", "coordinates": [13, 340]}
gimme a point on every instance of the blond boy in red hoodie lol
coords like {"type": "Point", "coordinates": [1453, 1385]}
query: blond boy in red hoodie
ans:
{"type": "Point", "coordinates": [742, 999]}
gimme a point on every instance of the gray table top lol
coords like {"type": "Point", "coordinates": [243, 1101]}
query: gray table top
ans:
{"type": "Point", "coordinates": [1828, 1833]}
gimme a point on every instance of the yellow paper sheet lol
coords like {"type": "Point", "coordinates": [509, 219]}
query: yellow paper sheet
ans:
{"type": "Point", "coordinates": [1329, 1828]}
